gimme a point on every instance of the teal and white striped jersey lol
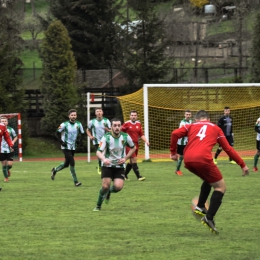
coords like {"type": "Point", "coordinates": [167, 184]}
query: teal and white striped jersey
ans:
{"type": "Point", "coordinates": [258, 124]}
{"type": "Point", "coordinates": [97, 128]}
{"type": "Point", "coordinates": [184, 140]}
{"type": "Point", "coordinates": [114, 148]}
{"type": "Point", "coordinates": [69, 132]}
{"type": "Point", "coordinates": [4, 145]}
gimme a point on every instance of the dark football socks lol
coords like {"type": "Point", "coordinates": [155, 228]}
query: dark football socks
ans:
{"type": "Point", "coordinates": [217, 153]}
{"type": "Point", "coordinates": [204, 193]}
{"type": "Point", "coordinates": [136, 170]}
{"type": "Point", "coordinates": [128, 168]}
{"type": "Point", "coordinates": [256, 157]}
{"type": "Point", "coordinates": [215, 202]}
{"type": "Point", "coordinates": [179, 163]}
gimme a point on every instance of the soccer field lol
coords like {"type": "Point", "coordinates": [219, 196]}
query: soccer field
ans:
{"type": "Point", "coordinates": [45, 219]}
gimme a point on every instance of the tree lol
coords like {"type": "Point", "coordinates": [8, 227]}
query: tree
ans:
{"type": "Point", "coordinates": [91, 28]}
{"type": "Point", "coordinates": [255, 52]}
{"type": "Point", "coordinates": [34, 26]}
{"type": "Point", "coordinates": [144, 45]}
{"type": "Point", "coordinates": [58, 78]}
{"type": "Point", "coordinates": [11, 99]}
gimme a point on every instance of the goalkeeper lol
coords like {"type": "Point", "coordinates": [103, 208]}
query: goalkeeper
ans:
{"type": "Point", "coordinates": [67, 134]}
{"type": "Point", "coordinates": [256, 157]}
{"type": "Point", "coordinates": [226, 125]}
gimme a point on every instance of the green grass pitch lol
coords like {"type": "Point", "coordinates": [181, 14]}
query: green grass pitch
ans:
{"type": "Point", "coordinates": [45, 219]}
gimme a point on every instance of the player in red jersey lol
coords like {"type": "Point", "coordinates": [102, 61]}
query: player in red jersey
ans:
{"type": "Point", "coordinates": [134, 129]}
{"type": "Point", "coordinates": [4, 133]}
{"type": "Point", "coordinates": [202, 136]}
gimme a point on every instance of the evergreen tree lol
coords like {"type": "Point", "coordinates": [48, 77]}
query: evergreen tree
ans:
{"type": "Point", "coordinates": [144, 45]}
{"type": "Point", "coordinates": [58, 78]}
{"type": "Point", "coordinates": [255, 52]}
{"type": "Point", "coordinates": [11, 99]}
{"type": "Point", "coordinates": [91, 29]}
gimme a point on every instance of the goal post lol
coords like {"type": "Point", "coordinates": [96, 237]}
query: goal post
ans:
{"type": "Point", "coordinates": [161, 108]}
{"type": "Point", "coordinates": [14, 121]}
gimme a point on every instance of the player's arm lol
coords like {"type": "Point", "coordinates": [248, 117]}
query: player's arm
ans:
{"type": "Point", "coordinates": [220, 122]}
{"type": "Point", "coordinates": [15, 137]}
{"type": "Point", "coordinates": [81, 130]}
{"type": "Point", "coordinates": [231, 130]}
{"type": "Point", "coordinates": [58, 135]}
{"type": "Point", "coordinates": [108, 126]}
{"type": "Point", "coordinates": [176, 134]}
{"type": "Point", "coordinates": [145, 140]}
{"type": "Point", "coordinates": [142, 136]}
{"type": "Point", "coordinates": [232, 153]}
{"type": "Point", "coordinates": [130, 144]}
{"type": "Point", "coordinates": [88, 131]}
{"type": "Point", "coordinates": [257, 127]}
{"type": "Point", "coordinates": [100, 151]}
{"type": "Point", "coordinates": [7, 138]}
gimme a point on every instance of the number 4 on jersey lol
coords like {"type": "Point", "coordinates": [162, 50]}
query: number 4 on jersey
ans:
{"type": "Point", "coordinates": [202, 132]}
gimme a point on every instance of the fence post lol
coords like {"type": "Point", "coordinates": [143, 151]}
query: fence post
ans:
{"type": "Point", "coordinates": [34, 70]}
{"type": "Point", "coordinates": [235, 72]}
{"type": "Point", "coordinates": [175, 73]}
{"type": "Point", "coordinates": [206, 73]}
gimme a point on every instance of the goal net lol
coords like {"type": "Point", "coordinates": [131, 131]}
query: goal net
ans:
{"type": "Point", "coordinates": [161, 108]}
{"type": "Point", "coordinates": [14, 121]}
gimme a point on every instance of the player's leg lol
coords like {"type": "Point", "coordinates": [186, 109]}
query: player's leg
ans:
{"type": "Point", "coordinates": [230, 140]}
{"type": "Point", "coordinates": [256, 157]}
{"type": "Point", "coordinates": [118, 182]}
{"type": "Point", "coordinates": [61, 166]}
{"type": "Point", "coordinates": [135, 166]}
{"type": "Point", "coordinates": [219, 150]}
{"type": "Point", "coordinates": [136, 169]}
{"type": "Point", "coordinates": [3, 158]}
{"type": "Point", "coordinates": [219, 186]}
{"type": "Point", "coordinates": [10, 160]}
{"type": "Point", "coordinates": [106, 176]}
{"type": "Point", "coordinates": [210, 173]}
{"type": "Point", "coordinates": [180, 149]}
{"type": "Point", "coordinates": [99, 161]}
{"type": "Point", "coordinates": [201, 209]}
{"type": "Point", "coordinates": [128, 165]}
{"type": "Point", "coordinates": [69, 155]}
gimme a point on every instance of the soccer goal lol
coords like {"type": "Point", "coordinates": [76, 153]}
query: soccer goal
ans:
{"type": "Point", "coordinates": [161, 107]}
{"type": "Point", "coordinates": [14, 121]}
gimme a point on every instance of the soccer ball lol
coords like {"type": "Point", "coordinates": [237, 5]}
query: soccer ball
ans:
{"type": "Point", "coordinates": [194, 203]}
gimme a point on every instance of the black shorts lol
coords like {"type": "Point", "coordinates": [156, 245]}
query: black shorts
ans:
{"type": "Point", "coordinates": [258, 145]}
{"type": "Point", "coordinates": [113, 173]}
{"type": "Point", "coordinates": [180, 149]}
{"type": "Point", "coordinates": [230, 140]}
{"type": "Point", "coordinates": [6, 156]}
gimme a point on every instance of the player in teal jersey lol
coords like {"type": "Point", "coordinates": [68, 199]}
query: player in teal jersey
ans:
{"type": "Point", "coordinates": [112, 153]}
{"type": "Point", "coordinates": [97, 127]}
{"type": "Point", "coordinates": [182, 141]}
{"type": "Point", "coordinates": [9, 154]}
{"type": "Point", "coordinates": [68, 131]}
